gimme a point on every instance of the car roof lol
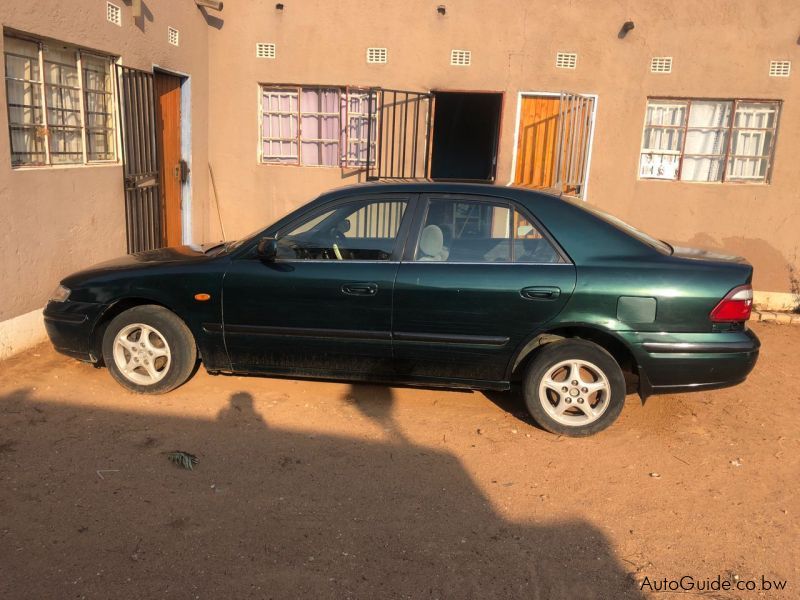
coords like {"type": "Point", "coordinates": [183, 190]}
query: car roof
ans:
{"type": "Point", "coordinates": [454, 187]}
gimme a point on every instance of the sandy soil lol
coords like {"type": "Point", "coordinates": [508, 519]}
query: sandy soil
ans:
{"type": "Point", "coordinates": [331, 490]}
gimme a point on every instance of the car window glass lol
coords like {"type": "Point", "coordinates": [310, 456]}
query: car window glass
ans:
{"type": "Point", "coordinates": [478, 232]}
{"type": "Point", "coordinates": [358, 230]}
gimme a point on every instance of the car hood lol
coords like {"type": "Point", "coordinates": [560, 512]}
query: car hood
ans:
{"type": "Point", "coordinates": [176, 255]}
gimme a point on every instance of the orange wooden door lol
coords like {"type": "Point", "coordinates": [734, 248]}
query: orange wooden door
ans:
{"type": "Point", "coordinates": [168, 133]}
{"type": "Point", "coordinates": [537, 141]}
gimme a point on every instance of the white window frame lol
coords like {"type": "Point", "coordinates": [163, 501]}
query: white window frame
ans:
{"type": "Point", "coordinates": [729, 159]}
{"type": "Point", "coordinates": [42, 85]}
{"type": "Point", "coordinates": [345, 117]}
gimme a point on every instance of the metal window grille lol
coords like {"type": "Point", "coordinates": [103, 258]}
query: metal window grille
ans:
{"type": "Point", "coordinates": [60, 101]}
{"type": "Point", "coordinates": [377, 56]}
{"type": "Point", "coordinates": [114, 14]}
{"type": "Point", "coordinates": [360, 125]}
{"type": "Point", "coordinates": [780, 68]}
{"type": "Point", "coordinates": [265, 50]}
{"type": "Point", "coordinates": [173, 36]}
{"type": "Point", "coordinates": [661, 64]}
{"type": "Point", "coordinates": [729, 140]}
{"type": "Point", "coordinates": [566, 60]}
{"type": "Point", "coordinates": [461, 58]}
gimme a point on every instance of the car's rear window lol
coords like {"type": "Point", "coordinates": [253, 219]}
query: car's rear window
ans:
{"type": "Point", "coordinates": [627, 228]}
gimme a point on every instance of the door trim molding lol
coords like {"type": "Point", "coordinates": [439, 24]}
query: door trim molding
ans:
{"type": "Point", "coordinates": [449, 338]}
{"type": "Point", "coordinates": [524, 93]}
{"type": "Point", "coordinates": [349, 334]}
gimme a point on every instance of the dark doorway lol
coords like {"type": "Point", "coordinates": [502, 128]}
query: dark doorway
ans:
{"type": "Point", "coordinates": [466, 128]}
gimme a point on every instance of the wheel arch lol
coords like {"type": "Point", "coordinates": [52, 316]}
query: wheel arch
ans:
{"type": "Point", "coordinates": [115, 309]}
{"type": "Point", "coordinates": [604, 338]}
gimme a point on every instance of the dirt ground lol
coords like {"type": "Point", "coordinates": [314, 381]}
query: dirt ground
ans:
{"type": "Point", "coordinates": [331, 490]}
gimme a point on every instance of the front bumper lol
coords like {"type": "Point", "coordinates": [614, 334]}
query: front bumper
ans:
{"type": "Point", "coordinates": [70, 326]}
{"type": "Point", "coordinates": [684, 362]}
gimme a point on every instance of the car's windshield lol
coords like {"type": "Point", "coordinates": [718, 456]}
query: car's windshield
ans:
{"type": "Point", "coordinates": [629, 229]}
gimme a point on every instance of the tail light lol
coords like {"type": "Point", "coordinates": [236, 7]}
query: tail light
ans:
{"type": "Point", "coordinates": [735, 306]}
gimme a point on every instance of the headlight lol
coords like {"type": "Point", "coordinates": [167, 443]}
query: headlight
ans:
{"type": "Point", "coordinates": [60, 294]}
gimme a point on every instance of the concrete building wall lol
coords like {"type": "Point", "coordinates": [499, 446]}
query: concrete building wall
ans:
{"type": "Point", "coordinates": [56, 220]}
{"type": "Point", "coordinates": [721, 49]}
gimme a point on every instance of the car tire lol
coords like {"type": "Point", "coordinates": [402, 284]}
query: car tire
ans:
{"type": "Point", "coordinates": [149, 350]}
{"type": "Point", "coordinates": [574, 387]}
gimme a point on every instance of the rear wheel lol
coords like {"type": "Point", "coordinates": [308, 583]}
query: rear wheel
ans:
{"type": "Point", "coordinates": [149, 350]}
{"type": "Point", "coordinates": [574, 387]}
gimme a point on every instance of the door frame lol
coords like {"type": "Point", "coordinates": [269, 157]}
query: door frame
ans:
{"type": "Point", "coordinates": [186, 148]}
{"type": "Point", "coordinates": [520, 96]}
{"type": "Point", "coordinates": [499, 137]}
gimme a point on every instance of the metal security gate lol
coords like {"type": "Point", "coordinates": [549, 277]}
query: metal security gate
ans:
{"type": "Point", "coordinates": [403, 120]}
{"type": "Point", "coordinates": [143, 211]}
{"type": "Point", "coordinates": [574, 138]}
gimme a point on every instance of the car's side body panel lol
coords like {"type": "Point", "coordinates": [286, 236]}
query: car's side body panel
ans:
{"type": "Point", "coordinates": [436, 323]}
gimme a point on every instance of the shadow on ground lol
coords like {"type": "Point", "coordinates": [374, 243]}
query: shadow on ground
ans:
{"type": "Point", "coordinates": [267, 513]}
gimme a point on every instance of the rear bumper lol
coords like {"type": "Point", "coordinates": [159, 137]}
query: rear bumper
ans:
{"type": "Point", "coordinates": [670, 363]}
{"type": "Point", "coordinates": [69, 326]}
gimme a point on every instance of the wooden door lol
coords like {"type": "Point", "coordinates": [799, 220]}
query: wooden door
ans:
{"type": "Point", "coordinates": [537, 140]}
{"type": "Point", "coordinates": [168, 134]}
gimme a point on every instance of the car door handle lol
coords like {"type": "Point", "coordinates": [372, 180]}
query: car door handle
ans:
{"type": "Point", "coordinates": [360, 289]}
{"type": "Point", "coordinates": [540, 293]}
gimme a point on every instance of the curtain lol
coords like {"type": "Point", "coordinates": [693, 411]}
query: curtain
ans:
{"type": "Point", "coordinates": [706, 141]}
{"type": "Point", "coordinates": [320, 126]}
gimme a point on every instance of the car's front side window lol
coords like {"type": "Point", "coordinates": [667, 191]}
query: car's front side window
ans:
{"type": "Point", "coordinates": [358, 230]}
{"type": "Point", "coordinates": [473, 231]}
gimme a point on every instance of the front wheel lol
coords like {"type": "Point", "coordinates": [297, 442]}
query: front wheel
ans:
{"type": "Point", "coordinates": [574, 387]}
{"type": "Point", "coordinates": [149, 350]}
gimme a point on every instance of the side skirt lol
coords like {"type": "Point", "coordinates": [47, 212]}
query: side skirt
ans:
{"type": "Point", "coordinates": [435, 382]}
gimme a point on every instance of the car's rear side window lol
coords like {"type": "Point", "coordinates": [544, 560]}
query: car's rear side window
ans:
{"type": "Point", "coordinates": [478, 231]}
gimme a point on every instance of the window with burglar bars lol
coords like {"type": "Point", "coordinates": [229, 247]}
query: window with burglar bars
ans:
{"type": "Point", "coordinates": [317, 126]}
{"type": "Point", "coordinates": [709, 140]}
{"type": "Point", "coordinates": [60, 104]}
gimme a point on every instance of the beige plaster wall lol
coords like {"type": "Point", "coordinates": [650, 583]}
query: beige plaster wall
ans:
{"type": "Point", "coordinates": [55, 220]}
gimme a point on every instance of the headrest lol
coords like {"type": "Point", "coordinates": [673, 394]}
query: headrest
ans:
{"type": "Point", "coordinates": [431, 240]}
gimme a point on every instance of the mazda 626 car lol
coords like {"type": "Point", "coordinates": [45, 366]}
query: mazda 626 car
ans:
{"type": "Point", "coordinates": [452, 285]}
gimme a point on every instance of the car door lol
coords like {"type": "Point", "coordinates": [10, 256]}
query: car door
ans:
{"type": "Point", "coordinates": [479, 277]}
{"type": "Point", "coordinates": [323, 305]}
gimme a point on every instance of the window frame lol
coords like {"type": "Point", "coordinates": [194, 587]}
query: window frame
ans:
{"type": "Point", "coordinates": [42, 85]}
{"type": "Point", "coordinates": [731, 129]}
{"type": "Point", "coordinates": [343, 160]}
{"type": "Point", "coordinates": [406, 222]}
{"type": "Point", "coordinates": [421, 215]}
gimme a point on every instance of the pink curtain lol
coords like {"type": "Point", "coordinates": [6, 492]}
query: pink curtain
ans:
{"type": "Point", "coordinates": [320, 126]}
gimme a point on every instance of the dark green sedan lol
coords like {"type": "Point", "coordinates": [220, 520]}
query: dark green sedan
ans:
{"type": "Point", "coordinates": [451, 285]}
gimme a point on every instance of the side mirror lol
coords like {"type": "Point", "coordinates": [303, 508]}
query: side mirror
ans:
{"type": "Point", "coordinates": [267, 249]}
